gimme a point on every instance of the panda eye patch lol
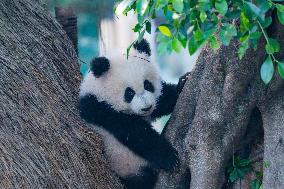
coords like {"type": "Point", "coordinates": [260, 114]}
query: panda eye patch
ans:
{"type": "Point", "coordinates": [148, 86]}
{"type": "Point", "coordinates": [129, 94]}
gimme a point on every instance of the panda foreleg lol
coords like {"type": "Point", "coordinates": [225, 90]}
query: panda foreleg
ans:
{"type": "Point", "coordinates": [166, 101]}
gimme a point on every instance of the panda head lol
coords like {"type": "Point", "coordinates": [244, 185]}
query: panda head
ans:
{"type": "Point", "coordinates": [130, 86]}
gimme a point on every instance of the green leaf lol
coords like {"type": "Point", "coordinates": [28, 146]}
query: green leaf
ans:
{"type": "Point", "coordinates": [141, 6]}
{"type": "Point", "coordinates": [280, 7]}
{"type": "Point", "coordinates": [221, 6]}
{"type": "Point", "coordinates": [214, 43]}
{"type": "Point", "coordinates": [269, 49]}
{"type": "Point", "coordinates": [244, 21]}
{"type": "Point", "coordinates": [202, 16]}
{"type": "Point", "coordinates": [256, 10]}
{"type": "Point", "coordinates": [280, 16]}
{"type": "Point", "coordinates": [255, 184]}
{"type": "Point", "coordinates": [182, 39]}
{"type": "Point", "coordinates": [225, 39]}
{"type": "Point", "coordinates": [242, 50]}
{"type": "Point", "coordinates": [192, 46]}
{"type": "Point", "coordinates": [227, 33]}
{"type": "Point", "coordinates": [281, 69]}
{"type": "Point", "coordinates": [136, 28]}
{"type": "Point", "coordinates": [165, 30]}
{"type": "Point", "coordinates": [148, 27]}
{"type": "Point", "coordinates": [198, 36]}
{"type": "Point", "coordinates": [256, 35]}
{"type": "Point", "coordinates": [231, 29]}
{"type": "Point", "coordinates": [176, 45]}
{"type": "Point", "coordinates": [244, 162]}
{"type": "Point", "coordinates": [178, 5]}
{"type": "Point", "coordinates": [266, 22]}
{"type": "Point", "coordinates": [267, 70]}
{"type": "Point", "coordinates": [241, 173]}
{"type": "Point", "coordinates": [234, 175]}
{"type": "Point", "coordinates": [272, 46]}
{"type": "Point", "coordinates": [161, 3]}
{"type": "Point", "coordinates": [263, 5]}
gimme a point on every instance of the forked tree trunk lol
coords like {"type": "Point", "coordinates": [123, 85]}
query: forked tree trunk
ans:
{"type": "Point", "coordinates": [44, 143]}
{"type": "Point", "coordinates": [213, 112]}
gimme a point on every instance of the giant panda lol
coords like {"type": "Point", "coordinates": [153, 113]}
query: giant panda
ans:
{"type": "Point", "coordinates": [119, 97]}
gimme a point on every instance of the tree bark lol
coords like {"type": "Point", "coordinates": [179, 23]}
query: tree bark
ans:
{"type": "Point", "coordinates": [213, 114]}
{"type": "Point", "coordinates": [273, 122]}
{"type": "Point", "coordinates": [44, 143]}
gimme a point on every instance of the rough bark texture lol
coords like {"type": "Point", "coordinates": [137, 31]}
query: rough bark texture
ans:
{"type": "Point", "coordinates": [213, 112]}
{"type": "Point", "coordinates": [44, 143]}
{"type": "Point", "coordinates": [68, 20]}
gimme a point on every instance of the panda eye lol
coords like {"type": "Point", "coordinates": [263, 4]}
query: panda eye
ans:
{"type": "Point", "coordinates": [148, 86]}
{"type": "Point", "coordinates": [129, 94]}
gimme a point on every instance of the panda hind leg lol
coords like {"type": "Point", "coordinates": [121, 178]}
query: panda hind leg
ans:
{"type": "Point", "coordinates": [145, 180]}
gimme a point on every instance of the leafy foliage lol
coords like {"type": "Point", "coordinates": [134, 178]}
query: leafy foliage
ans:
{"type": "Point", "coordinates": [240, 168]}
{"type": "Point", "coordinates": [191, 24]}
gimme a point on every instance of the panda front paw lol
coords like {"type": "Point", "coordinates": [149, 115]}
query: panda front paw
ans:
{"type": "Point", "coordinates": [167, 160]}
{"type": "Point", "coordinates": [182, 81]}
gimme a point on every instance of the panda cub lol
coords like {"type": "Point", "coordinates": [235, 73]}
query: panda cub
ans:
{"type": "Point", "coordinates": [119, 98]}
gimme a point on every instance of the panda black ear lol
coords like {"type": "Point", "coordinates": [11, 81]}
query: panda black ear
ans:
{"type": "Point", "coordinates": [143, 47]}
{"type": "Point", "coordinates": [99, 66]}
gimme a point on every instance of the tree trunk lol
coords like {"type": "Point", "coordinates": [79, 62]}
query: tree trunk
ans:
{"type": "Point", "coordinates": [44, 143]}
{"type": "Point", "coordinates": [213, 115]}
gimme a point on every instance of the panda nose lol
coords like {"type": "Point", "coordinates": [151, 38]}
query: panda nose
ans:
{"type": "Point", "coordinates": [146, 109]}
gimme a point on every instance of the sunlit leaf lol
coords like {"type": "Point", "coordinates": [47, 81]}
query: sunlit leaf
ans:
{"type": "Point", "coordinates": [165, 30]}
{"type": "Point", "coordinates": [203, 16]}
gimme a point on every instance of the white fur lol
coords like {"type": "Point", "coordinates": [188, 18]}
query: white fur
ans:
{"type": "Point", "coordinates": [122, 160]}
{"type": "Point", "coordinates": [123, 73]}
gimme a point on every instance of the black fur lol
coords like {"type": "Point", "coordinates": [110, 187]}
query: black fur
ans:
{"type": "Point", "coordinates": [143, 47]}
{"type": "Point", "coordinates": [129, 94]}
{"type": "Point", "coordinates": [146, 180]}
{"type": "Point", "coordinates": [99, 66]}
{"type": "Point", "coordinates": [132, 131]}
{"type": "Point", "coordinates": [166, 101]}
{"type": "Point", "coordinates": [148, 86]}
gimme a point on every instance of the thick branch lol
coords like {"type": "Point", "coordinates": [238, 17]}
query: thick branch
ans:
{"type": "Point", "coordinates": [44, 143]}
{"type": "Point", "coordinates": [215, 109]}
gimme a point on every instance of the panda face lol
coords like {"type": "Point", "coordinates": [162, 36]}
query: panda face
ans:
{"type": "Point", "coordinates": [142, 103]}
{"type": "Point", "coordinates": [131, 86]}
